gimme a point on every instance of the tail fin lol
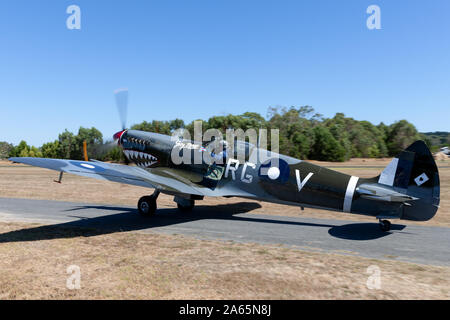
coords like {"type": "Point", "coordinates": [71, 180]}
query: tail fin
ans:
{"type": "Point", "coordinates": [414, 172]}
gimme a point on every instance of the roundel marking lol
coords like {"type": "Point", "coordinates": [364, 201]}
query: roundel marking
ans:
{"type": "Point", "coordinates": [273, 173]}
{"type": "Point", "coordinates": [85, 165]}
{"type": "Point", "coordinates": [276, 170]}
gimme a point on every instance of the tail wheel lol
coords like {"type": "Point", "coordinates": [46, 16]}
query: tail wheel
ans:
{"type": "Point", "coordinates": [147, 206]}
{"type": "Point", "coordinates": [186, 208]}
{"type": "Point", "coordinates": [385, 225]}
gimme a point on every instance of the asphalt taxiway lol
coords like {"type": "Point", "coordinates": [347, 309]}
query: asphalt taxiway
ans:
{"type": "Point", "coordinates": [412, 243]}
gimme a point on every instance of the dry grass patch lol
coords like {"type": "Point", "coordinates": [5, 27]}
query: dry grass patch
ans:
{"type": "Point", "coordinates": [133, 265]}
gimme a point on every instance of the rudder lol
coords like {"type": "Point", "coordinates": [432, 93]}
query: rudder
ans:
{"type": "Point", "coordinates": [414, 172]}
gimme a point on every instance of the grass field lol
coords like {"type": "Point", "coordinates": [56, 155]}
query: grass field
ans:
{"type": "Point", "coordinates": [132, 265]}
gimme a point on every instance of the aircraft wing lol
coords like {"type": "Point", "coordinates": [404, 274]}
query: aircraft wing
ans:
{"type": "Point", "coordinates": [111, 172]}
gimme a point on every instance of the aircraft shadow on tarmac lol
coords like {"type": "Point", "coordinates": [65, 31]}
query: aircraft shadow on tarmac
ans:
{"type": "Point", "coordinates": [129, 220]}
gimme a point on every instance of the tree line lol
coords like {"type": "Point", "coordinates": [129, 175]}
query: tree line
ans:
{"type": "Point", "coordinates": [303, 133]}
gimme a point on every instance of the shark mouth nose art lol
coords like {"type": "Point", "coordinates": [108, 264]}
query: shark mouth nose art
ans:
{"type": "Point", "coordinates": [141, 159]}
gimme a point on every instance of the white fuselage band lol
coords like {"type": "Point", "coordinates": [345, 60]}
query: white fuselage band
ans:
{"type": "Point", "coordinates": [349, 193]}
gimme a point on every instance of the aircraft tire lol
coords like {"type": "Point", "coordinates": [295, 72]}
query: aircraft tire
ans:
{"type": "Point", "coordinates": [188, 208]}
{"type": "Point", "coordinates": [385, 225]}
{"type": "Point", "coordinates": [147, 206]}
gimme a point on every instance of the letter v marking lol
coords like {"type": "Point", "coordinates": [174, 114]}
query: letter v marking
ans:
{"type": "Point", "coordinates": [301, 184]}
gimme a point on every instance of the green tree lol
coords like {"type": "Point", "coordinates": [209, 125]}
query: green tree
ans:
{"type": "Point", "coordinates": [303, 134]}
{"type": "Point", "coordinates": [295, 127]}
{"type": "Point", "coordinates": [115, 154]}
{"type": "Point", "coordinates": [400, 135]}
{"type": "Point", "coordinates": [5, 149]}
{"type": "Point", "coordinates": [163, 127]}
{"type": "Point", "coordinates": [51, 150]}
{"type": "Point", "coordinates": [67, 145]}
{"type": "Point", "coordinates": [340, 127]}
{"type": "Point", "coordinates": [94, 141]}
{"type": "Point", "coordinates": [70, 146]}
{"type": "Point", "coordinates": [326, 147]}
{"type": "Point", "coordinates": [34, 152]}
{"type": "Point", "coordinates": [359, 138]}
{"type": "Point", "coordinates": [176, 124]}
{"type": "Point", "coordinates": [21, 150]}
{"type": "Point", "coordinates": [24, 150]}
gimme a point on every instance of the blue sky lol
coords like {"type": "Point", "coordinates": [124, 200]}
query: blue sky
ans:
{"type": "Point", "coordinates": [197, 58]}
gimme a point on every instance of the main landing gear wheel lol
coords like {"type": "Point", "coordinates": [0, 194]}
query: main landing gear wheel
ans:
{"type": "Point", "coordinates": [147, 204]}
{"type": "Point", "coordinates": [186, 208]}
{"type": "Point", "coordinates": [385, 225]}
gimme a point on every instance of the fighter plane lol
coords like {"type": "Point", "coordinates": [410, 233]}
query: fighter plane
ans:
{"type": "Point", "coordinates": [408, 188]}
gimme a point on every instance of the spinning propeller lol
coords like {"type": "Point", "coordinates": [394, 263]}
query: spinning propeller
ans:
{"type": "Point", "coordinates": [121, 97]}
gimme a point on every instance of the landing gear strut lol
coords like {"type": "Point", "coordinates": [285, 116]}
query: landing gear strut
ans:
{"type": "Point", "coordinates": [147, 204]}
{"type": "Point", "coordinates": [385, 225]}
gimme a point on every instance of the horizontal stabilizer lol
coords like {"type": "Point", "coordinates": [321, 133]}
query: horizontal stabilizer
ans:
{"type": "Point", "coordinates": [381, 193]}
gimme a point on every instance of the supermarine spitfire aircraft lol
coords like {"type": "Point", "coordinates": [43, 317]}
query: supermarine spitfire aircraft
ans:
{"type": "Point", "coordinates": [408, 188]}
